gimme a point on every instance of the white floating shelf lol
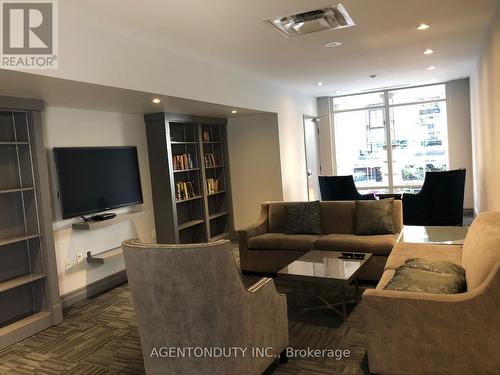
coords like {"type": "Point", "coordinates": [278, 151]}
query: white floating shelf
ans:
{"type": "Point", "coordinates": [91, 225]}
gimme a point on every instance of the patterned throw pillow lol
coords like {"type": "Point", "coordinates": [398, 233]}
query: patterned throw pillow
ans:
{"type": "Point", "coordinates": [375, 217]}
{"type": "Point", "coordinates": [303, 218]}
{"type": "Point", "coordinates": [427, 276]}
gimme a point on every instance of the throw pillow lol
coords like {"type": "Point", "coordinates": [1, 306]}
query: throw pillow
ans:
{"type": "Point", "coordinates": [303, 218]}
{"type": "Point", "coordinates": [423, 276]}
{"type": "Point", "coordinates": [375, 217]}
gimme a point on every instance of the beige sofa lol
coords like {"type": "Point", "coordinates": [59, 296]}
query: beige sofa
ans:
{"type": "Point", "coordinates": [264, 247]}
{"type": "Point", "coordinates": [422, 333]}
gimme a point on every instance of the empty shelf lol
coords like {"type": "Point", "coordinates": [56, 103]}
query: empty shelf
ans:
{"type": "Point", "coordinates": [8, 241]}
{"type": "Point", "coordinates": [186, 170]}
{"type": "Point", "coordinates": [220, 236]}
{"type": "Point", "coordinates": [7, 191]}
{"type": "Point", "coordinates": [214, 166]}
{"type": "Point", "coordinates": [189, 224]}
{"type": "Point", "coordinates": [101, 257]}
{"type": "Point", "coordinates": [217, 192]}
{"type": "Point", "coordinates": [189, 199]}
{"type": "Point", "coordinates": [218, 214]}
{"type": "Point", "coordinates": [21, 280]}
{"type": "Point", "coordinates": [13, 143]}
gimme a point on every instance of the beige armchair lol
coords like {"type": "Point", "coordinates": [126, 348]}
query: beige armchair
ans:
{"type": "Point", "coordinates": [190, 298]}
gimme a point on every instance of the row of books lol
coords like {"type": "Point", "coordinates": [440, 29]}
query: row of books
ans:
{"type": "Point", "coordinates": [182, 161]}
{"type": "Point", "coordinates": [213, 185]}
{"type": "Point", "coordinates": [184, 190]}
{"type": "Point", "coordinates": [211, 160]}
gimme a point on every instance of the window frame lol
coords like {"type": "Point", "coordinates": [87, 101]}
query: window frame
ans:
{"type": "Point", "coordinates": [387, 120]}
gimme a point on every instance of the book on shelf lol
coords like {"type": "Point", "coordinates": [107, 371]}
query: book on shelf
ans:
{"type": "Point", "coordinates": [184, 190]}
{"type": "Point", "coordinates": [212, 185]}
{"type": "Point", "coordinates": [205, 135]}
{"type": "Point", "coordinates": [211, 160]}
{"type": "Point", "coordinates": [183, 161]}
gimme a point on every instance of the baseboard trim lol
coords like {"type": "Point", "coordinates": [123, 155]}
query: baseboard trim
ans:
{"type": "Point", "coordinates": [94, 289]}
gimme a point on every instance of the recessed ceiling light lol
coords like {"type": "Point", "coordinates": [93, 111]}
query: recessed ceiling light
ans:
{"type": "Point", "coordinates": [429, 51]}
{"type": "Point", "coordinates": [432, 67]}
{"type": "Point", "coordinates": [372, 76]}
{"type": "Point", "coordinates": [320, 83]}
{"type": "Point", "coordinates": [234, 111]}
{"type": "Point", "coordinates": [423, 26]}
{"type": "Point", "coordinates": [156, 100]}
{"type": "Point", "coordinates": [337, 92]}
{"type": "Point", "coordinates": [333, 44]}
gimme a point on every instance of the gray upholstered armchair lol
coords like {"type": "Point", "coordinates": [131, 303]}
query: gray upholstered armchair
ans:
{"type": "Point", "coordinates": [192, 296]}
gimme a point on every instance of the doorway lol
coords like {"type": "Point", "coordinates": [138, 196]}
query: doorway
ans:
{"type": "Point", "coordinates": [313, 166]}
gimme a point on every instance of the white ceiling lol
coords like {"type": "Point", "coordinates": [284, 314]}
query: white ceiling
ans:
{"type": "Point", "coordinates": [72, 94]}
{"type": "Point", "coordinates": [383, 42]}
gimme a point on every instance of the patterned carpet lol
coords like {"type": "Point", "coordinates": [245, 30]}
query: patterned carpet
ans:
{"type": "Point", "coordinates": [99, 336]}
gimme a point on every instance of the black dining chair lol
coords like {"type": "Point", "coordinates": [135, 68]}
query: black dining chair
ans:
{"type": "Point", "coordinates": [340, 188]}
{"type": "Point", "coordinates": [440, 202]}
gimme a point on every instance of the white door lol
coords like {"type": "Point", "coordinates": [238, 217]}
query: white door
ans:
{"type": "Point", "coordinates": [313, 168]}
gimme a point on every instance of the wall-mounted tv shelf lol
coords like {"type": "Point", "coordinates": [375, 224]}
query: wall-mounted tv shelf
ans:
{"type": "Point", "coordinates": [119, 218]}
{"type": "Point", "coordinates": [103, 256]}
{"type": "Point", "coordinates": [189, 177]}
{"type": "Point", "coordinates": [29, 292]}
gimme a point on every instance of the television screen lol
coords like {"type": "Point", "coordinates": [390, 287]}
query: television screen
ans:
{"type": "Point", "coordinates": [96, 179]}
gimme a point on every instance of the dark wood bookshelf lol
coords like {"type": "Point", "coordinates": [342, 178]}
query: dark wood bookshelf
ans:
{"type": "Point", "coordinates": [191, 218]}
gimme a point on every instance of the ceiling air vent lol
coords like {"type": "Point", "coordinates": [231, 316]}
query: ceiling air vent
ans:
{"type": "Point", "coordinates": [333, 17]}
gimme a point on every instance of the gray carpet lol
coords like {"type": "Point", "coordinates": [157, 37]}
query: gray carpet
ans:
{"type": "Point", "coordinates": [99, 336]}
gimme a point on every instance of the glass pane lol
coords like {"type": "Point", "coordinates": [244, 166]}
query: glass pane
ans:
{"type": "Point", "coordinates": [360, 145]}
{"type": "Point", "coordinates": [417, 94]}
{"type": "Point", "coordinates": [343, 103]}
{"type": "Point", "coordinates": [375, 191]}
{"type": "Point", "coordinates": [411, 190]}
{"type": "Point", "coordinates": [419, 142]}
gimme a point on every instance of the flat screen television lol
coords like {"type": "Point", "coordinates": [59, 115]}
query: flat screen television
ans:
{"type": "Point", "coordinates": [96, 179]}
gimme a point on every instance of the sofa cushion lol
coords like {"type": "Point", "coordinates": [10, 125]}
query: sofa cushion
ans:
{"type": "Point", "coordinates": [403, 251]}
{"type": "Point", "coordinates": [423, 276]}
{"type": "Point", "coordinates": [338, 217]}
{"type": "Point", "coordinates": [283, 241]}
{"type": "Point", "coordinates": [303, 218]}
{"type": "Point", "coordinates": [481, 250]}
{"type": "Point", "coordinates": [375, 217]}
{"type": "Point", "coordinates": [377, 244]}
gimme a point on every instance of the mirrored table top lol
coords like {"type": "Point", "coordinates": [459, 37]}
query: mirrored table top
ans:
{"type": "Point", "coordinates": [433, 234]}
{"type": "Point", "coordinates": [323, 264]}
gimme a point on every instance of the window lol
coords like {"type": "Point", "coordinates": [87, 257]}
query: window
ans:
{"type": "Point", "coordinates": [417, 133]}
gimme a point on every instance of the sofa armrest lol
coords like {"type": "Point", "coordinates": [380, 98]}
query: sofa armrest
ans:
{"type": "Point", "coordinates": [260, 227]}
{"type": "Point", "coordinates": [432, 333]}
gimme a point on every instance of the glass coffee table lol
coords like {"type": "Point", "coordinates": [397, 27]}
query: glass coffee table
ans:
{"type": "Point", "coordinates": [439, 235]}
{"type": "Point", "coordinates": [327, 267]}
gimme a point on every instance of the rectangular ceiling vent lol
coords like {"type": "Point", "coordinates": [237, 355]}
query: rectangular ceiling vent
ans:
{"type": "Point", "coordinates": [333, 17]}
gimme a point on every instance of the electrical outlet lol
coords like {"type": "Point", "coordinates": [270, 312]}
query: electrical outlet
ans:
{"type": "Point", "coordinates": [67, 264]}
{"type": "Point", "coordinates": [79, 258]}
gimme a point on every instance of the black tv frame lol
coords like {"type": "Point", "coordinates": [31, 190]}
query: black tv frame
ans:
{"type": "Point", "coordinates": [91, 212]}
